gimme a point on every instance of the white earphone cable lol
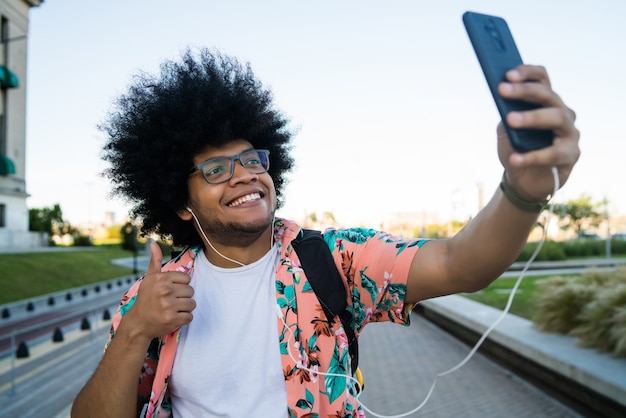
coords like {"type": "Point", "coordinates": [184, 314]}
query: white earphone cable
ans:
{"type": "Point", "coordinates": [301, 366]}
{"type": "Point", "coordinates": [209, 242]}
{"type": "Point", "coordinates": [557, 186]}
{"type": "Point", "coordinates": [476, 346]}
{"type": "Point", "coordinates": [215, 249]}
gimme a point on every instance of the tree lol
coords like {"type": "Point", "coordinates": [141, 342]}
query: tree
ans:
{"type": "Point", "coordinates": [43, 220]}
{"type": "Point", "coordinates": [328, 218]}
{"type": "Point", "coordinates": [579, 214]}
{"type": "Point", "coordinates": [51, 220]}
{"type": "Point", "coordinates": [129, 233]}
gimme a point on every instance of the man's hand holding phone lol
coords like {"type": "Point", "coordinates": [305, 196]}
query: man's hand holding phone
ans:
{"type": "Point", "coordinates": [537, 129]}
{"type": "Point", "coordinates": [529, 172]}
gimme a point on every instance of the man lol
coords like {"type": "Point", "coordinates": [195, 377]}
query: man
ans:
{"type": "Point", "coordinates": [231, 326]}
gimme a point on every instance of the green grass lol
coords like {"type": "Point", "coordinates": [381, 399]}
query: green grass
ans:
{"type": "Point", "coordinates": [34, 274]}
{"type": "Point", "coordinates": [497, 294]}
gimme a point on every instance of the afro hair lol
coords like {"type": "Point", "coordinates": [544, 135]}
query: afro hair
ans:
{"type": "Point", "coordinates": [162, 122]}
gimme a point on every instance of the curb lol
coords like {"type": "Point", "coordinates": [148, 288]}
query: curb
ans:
{"type": "Point", "coordinates": [578, 375]}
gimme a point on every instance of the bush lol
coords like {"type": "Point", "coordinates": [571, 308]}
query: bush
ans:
{"type": "Point", "coordinates": [584, 248]}
{"type": "Point", "coordinates": [618, 332]}
{"type": "Point", "coordinates": [560, 303]}
{"type": "Point", "coordinates": [550, 251]}
{"type": "Point", "coordinates": [591, 308]}
{"type": "Point", "coordinates": [600, 317]}
{"type": "Point", "coordinates": [82, 241]}
{"type": "Point", "coordinates": [618, 246]}
{"type": "Point", "coordinates": [581, 248]}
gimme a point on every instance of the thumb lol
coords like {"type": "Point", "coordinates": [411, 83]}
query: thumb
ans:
{"type": "Point", "coordinates": [156, 258]}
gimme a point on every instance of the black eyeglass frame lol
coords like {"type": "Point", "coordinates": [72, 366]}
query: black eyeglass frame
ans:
{"type": "Point", "coordinates": [233, 158]}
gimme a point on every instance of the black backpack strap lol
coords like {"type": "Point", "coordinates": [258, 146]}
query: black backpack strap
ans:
{"type": "Point", "coordinates": [321, 271]}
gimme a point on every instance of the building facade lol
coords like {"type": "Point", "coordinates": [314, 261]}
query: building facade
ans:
{"type": "Point", "coordinates": [14, 17]}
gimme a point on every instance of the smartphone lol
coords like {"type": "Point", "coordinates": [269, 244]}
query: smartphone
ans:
{"type": "Point", "coordinates": [497, 53]}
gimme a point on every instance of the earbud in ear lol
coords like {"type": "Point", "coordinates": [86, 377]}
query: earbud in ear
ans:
{"type": "Point", "coordinates": [188, 209]}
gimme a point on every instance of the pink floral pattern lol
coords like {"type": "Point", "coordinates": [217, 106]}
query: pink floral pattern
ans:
{"type": "Point", "coordinates": [314, 350]}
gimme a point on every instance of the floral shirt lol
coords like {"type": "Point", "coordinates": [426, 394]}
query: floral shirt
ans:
{"type": "Point", "coordinates": [375, 267]}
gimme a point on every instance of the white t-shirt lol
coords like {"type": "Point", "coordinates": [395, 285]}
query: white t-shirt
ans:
{"type": "Point", "coordinates": [228, 360]}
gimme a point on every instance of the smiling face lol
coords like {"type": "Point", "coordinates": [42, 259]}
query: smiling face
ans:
{"type": "Point", "coordinates": [237, 212]}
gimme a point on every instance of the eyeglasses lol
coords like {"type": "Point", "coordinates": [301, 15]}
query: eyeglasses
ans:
{"type": "Point", "coordinates": [220, 169]}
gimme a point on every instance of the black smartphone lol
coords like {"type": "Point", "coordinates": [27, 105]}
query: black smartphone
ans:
{"type": "Point", "coordinates": [497, 53]}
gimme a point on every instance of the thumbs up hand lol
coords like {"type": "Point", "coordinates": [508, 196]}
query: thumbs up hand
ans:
{"type": "Point", "coordinates": [164, 300]}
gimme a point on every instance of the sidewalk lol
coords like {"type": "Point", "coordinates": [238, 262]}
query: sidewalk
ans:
{"type": "Point", "coordinates": [46, 383]}
{"type": "Point", "coordinates": [556, 361]}
{"type": "Point", "coordinates": [52, 249]}
{"type": "Point", "coordinates": [399, 365]}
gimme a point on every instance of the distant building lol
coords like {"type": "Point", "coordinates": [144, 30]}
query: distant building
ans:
{"type": "Point", "coordinates": [13, 57]}
{"type": "Point", "coordinates": [109, 218]}
{"type": "Point", "coordinates": [409, 224]}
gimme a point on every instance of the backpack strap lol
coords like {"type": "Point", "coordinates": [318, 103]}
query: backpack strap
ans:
{"type": "Point", "coordinates": [321, 271]}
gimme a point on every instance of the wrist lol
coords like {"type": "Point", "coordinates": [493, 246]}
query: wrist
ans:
{"type": "Point", "coordinates": [520, 202]}
{"type": "Point", "coordinates": [132, 335]}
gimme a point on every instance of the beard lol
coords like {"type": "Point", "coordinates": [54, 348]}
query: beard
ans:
{"type": "Point", "coordinates": [236, 234]}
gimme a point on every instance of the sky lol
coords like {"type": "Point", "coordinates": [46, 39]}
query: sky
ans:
{"type": "Point", "coordinates": [391, 111]}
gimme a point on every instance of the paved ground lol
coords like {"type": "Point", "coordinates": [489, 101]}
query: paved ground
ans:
{"type": "Point", "coordinates": [398, 363]}
{"type": "Point", "coordinates": [46, 383]}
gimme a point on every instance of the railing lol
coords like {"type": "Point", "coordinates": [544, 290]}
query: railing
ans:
{"type": "Point", "coordinates": [52, 301]}
{"type": "Point", "coordinates": [67, 320]}
{"type": "Point", "coordinates": [571, 264]}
